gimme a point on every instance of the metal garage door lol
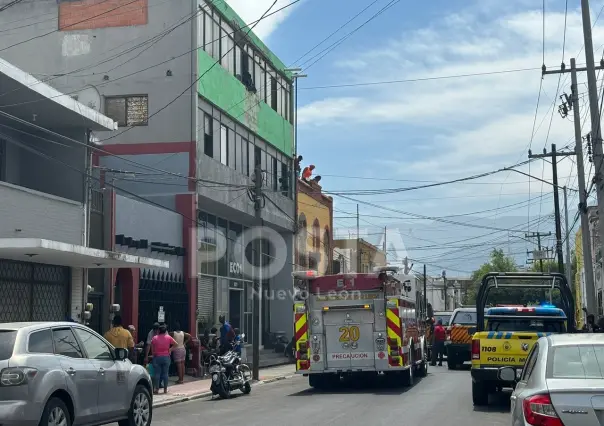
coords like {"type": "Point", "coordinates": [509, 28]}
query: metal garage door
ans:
{"type": "Point", "coordinates": [33, 291]}
{"type": "Point", "coordinates": [205, 298]}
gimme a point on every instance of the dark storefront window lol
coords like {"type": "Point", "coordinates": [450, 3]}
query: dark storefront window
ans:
{"type": "Point", "coordinates": [235, 251]}
{"type": "Point", "coordinates": [207, 244]}
{"type": "Point", "coordinates": [221, 232]}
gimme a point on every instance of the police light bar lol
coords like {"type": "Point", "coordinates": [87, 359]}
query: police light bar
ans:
{"type": "Point", "coordinates": [379, 269]}
{"type": "Point", "coordinates": [304, 275]}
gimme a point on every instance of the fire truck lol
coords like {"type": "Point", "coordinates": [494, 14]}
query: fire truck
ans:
{"type": "Point", "coordinates": [357, 324]}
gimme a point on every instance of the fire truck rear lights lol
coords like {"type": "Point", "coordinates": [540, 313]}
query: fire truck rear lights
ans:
{"type": "Point", "coordinates": [326, 308]}
{"type": "Point", "coordinates": [394, 354]}
{"type": "Point", "coordinates": [366, 306]}
{"type": "Point", "coordinates": [392, 342]}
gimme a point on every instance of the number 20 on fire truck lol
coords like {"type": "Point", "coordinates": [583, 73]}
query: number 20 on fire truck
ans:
{"type": "Point", "coordinates": [356, 324]}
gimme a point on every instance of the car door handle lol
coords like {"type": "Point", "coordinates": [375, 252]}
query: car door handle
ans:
{"type": "Point", "coordinates": [102, 371]}
{"type": "Point", "coordinates": [71, 371]}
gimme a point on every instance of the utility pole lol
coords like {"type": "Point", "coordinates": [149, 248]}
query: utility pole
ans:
{"type": "Point", "coordinates": [590, 289]}
{"type": "Point", "coordinates": [358, 243]}
{"type": "Point", "coordinates": [385, 245]}
{"type": "Point", "coordinates": [557, 211]}
{"type": "Point", "coordinates": [596, 131]}
{"type": "Point", "coordinates": [444, 275]}
{"type": "Point", "coordinates": [538, 235]}
{"type": "Point", "coordinates": [568, 263]}
{"type": "Point", "coordinates": [553, 155]}
{"type": "Point", "coordinates": [425, 293]}
{"type": "Point", "coordinates": [258, 204]}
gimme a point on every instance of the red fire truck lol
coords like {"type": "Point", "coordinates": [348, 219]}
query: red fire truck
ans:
{"type": "Point", "coordinates": [355, 324]}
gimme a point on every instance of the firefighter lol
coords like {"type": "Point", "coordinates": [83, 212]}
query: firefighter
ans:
{"type": "Point", "coordinates": [438, 347]}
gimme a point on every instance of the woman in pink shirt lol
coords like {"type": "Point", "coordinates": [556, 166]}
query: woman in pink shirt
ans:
{"type": "Point", "coordinates": [161, 345]}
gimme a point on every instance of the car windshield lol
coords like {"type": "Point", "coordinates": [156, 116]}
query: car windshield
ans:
{"type": "Point", "coordinates": [7, 343]}
{"type": "Point", "coordinates": [464, 318]}
{"type": "Point", "coordinates": [445, 318]}
{"type": "Point", "coordinates": [525, 324]}
{"type": "Point", "coordinates": [577, 362]}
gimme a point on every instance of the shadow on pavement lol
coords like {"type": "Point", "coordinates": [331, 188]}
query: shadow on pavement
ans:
{"type": "Point", "coordinates": [374, 386]}
{"type": "Point", "coordinates": [498, 403]}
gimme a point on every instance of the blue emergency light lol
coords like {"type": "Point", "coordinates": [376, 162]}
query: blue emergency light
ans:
{"type": "Point", "coordinates": [534, 310]}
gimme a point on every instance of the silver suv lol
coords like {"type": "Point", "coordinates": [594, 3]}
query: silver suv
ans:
{"type": "Point", "coordinates": [59, 374]}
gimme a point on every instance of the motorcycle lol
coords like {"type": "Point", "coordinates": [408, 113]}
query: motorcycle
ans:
{"type": "Point", "coordinates": [229, 374]}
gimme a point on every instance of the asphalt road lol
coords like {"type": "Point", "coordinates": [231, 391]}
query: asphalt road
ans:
{"type": "Point", "coordinates": [442, 398]}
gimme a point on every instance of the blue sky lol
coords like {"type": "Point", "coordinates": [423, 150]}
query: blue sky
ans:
{"type": "Point", "coordinates": [412, 133]}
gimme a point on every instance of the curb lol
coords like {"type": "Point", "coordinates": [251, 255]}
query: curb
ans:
{"type": "Point", "coordinates": [204, 394]}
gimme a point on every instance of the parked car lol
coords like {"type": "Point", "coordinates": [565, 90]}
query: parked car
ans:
{"type": "Point", "coordinates": [63, 373]}
{"type": "Point", "coordinates": [562, 382]}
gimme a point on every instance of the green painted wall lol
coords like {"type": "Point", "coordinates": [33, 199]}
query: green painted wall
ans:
{"type": "Point", "coordinates": [226, 92]}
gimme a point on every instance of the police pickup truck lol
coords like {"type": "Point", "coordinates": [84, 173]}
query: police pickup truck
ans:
{"type": "Point", "coordinates": [505, 335]}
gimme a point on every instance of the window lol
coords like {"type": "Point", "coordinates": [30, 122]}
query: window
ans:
{"type": "Point", "coordinates": [275, 174]}
{"type": "Point", "coordinates": [257, 156]}
{"type": "Point", "coordinates": [40, 342]}
{"type": "Point", "coordinates": [128, 110]}
{"type": "Point", "coordinates": [284, 180]}
{"type": "Point", "coordinates": [226, 49]}
{"type": "Point", "coordinates": [7, 343]}
{"type": "Point", "coordinates": [526, 324]}
{"type": "Point", "coordinates": [577, 362]}
{"type": "Point", "coordinates": [245, 154]}
{"type": "Point", "coordinates": [216, 54]}
{"type": "Point", "coordinates": [2, 160]}
{"type": "Point", "coordinates": [224, 136]}
{"type": "Point", "coordinates": [94, 347]}
{"type": "Point", "coordinates": [208, 136]}
{"type": "Point", "coordinates": [208, 28]}
{"type": "Point", "coordinates": [221, 230]}
{"type": "Point", "coordinates": [464, 318]}
{"type": "Point", "coordinates": [66, 343]}
{"type": "Point", "coordinates": [274, 94]}
{"type": "Point", "coordinates": [530, 363]}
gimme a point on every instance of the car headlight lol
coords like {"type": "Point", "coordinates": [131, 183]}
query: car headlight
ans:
{"type": "Point", "coordinates": [214, 369]}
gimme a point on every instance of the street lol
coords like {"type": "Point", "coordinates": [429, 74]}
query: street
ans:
{"type": "Point", "coordinates": [442, 398]}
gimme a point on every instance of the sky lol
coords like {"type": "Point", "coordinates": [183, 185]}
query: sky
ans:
{"type": "Point", "coordinates": [405, 134]}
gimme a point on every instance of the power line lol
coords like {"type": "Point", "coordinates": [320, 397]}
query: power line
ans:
{"type": "Point", "coordinates": [416, 80]}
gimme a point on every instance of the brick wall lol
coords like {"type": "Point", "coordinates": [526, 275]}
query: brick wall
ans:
{"type": "Point", "coordinates": [92, 14]}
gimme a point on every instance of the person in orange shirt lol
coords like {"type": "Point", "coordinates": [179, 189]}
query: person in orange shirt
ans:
{"type": "Point", "coordinates": [307, 172]}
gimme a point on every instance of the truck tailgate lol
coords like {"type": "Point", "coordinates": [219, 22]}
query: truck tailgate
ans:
{"type": "Point", "coordinates": [505, 348]}
{"type": "Point", "coordinates": [349, 338]}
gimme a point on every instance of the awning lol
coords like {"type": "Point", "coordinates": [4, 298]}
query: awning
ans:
{"type": "Point", "coordinates": [57, 253]}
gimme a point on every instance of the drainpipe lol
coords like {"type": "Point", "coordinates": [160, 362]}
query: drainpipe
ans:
{"type": "Point", "coordinates": [86, 233]}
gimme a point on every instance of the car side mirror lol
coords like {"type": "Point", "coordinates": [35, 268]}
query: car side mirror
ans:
{"type": "Point", "coordinates": [121, 354]}
{"type": "Point", "coordinates": [506, 374]}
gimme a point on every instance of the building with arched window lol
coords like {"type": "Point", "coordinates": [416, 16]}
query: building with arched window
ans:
{"type": "Point", "coordinates": [314, 239]}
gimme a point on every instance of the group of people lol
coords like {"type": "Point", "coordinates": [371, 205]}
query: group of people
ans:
{"type": "Point", "coordinates": [161, 346]}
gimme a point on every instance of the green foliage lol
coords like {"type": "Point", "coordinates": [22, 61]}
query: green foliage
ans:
{"type": "Point", "coordinates": [499, 262]}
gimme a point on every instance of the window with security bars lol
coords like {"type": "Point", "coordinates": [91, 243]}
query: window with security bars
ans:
{"type": "Point", "coordinates": [128, 110]}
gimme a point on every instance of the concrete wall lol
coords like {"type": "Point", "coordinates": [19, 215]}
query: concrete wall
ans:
{"type": "Point", "coordinates": [42, 197]}
{"type": "Point", "coordinates": [282, 286]}
{"type": "Point", "coordinates": [158, 225]}
{"type": "Point", "coordinates": [102, 57]}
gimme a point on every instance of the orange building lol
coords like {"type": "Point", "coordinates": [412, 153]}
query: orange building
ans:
{"type": "Point", "coordinates": [314, 238]}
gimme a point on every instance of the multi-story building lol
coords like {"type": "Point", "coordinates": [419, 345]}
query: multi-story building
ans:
{"type": "Point", "coordinates": [315, 224]}
{"type": "Point", "coordinates": [47, 253]}
{"type": "Point", "coordinates": [364, 255]}
{"type": "Point", "coordinates": [199, 101]}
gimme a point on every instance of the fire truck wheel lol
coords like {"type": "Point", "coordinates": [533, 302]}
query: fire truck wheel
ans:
{"type": "Point", "coordinates": [480, 395]}
{"type": "Point", "coordinates": [451, 363]}
{"type": "Point", "coordinates": [422, 371]}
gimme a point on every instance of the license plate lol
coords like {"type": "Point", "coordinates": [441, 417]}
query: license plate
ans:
{"type": "Point", "coordinates": [518, 374]}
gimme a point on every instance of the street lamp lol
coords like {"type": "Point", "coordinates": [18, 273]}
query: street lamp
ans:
{"type": "Point", "coordinates": [295, 76]}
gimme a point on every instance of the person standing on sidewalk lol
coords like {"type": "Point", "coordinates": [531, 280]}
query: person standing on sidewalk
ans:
{"type": "Point", "coordinates": [438, 347]}
{"type": "Point", "coordinates": [118, 336]}
{"type": "Point", "coordinates": [180, 351]}
{"type": "Point", "coordinates": [162, 345]}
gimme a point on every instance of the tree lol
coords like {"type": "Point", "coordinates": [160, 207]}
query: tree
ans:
{"type": "Point", "coordinates": [499, 262]}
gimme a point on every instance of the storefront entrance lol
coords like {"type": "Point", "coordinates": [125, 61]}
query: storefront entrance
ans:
{"type": "Point", "coordinates": [236, 308]}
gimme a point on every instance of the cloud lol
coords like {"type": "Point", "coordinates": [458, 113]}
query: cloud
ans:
{"type": "Point", "coordinates": [473, 123]}
{"type": "Point", "coordinates": [252, 10]}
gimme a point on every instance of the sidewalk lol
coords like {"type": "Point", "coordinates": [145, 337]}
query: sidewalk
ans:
{"type": "Point", "coordinates": [201, 388]}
